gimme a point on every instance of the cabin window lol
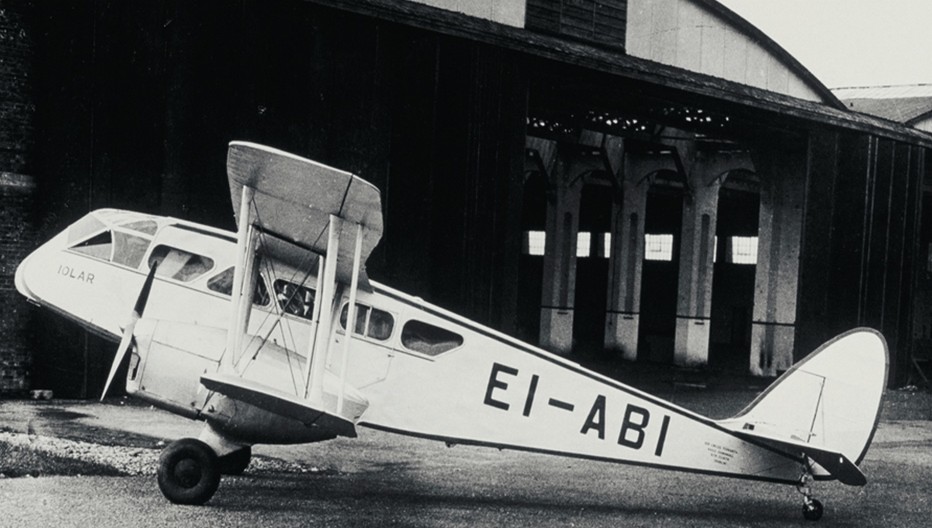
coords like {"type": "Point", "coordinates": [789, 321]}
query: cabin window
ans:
{"type": "Point", "coordinates": [178, 264]}
{"type": "Point", "coordinates": [223, 283]}
{"type": "Point", "coordinates": [370, 322]}
{"type": "Point", "coordinates": [294, 299]}
{"type": "Point", "coordinates": [429, 339]}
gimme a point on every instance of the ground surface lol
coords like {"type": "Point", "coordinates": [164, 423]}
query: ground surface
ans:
{"type": "Point", "coordinates": [381, 479]}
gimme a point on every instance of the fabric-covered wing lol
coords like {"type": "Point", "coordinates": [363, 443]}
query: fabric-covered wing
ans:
{"type": "Point", "coordinates": [294, 198]}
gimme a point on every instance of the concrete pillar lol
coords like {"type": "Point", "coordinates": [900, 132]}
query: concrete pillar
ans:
{"type": "Point", "coordinates": [629, 210]}
{"type": "Point", "coordinates": [697, 249]}
{"type": "Point", "coordinates": [775, 285]}
{"type": "Point", "coordinates": [559, 284]}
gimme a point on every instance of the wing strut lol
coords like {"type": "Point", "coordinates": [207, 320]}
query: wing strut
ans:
{"type": "Point", "coordinates": [317, 356]}
{"type": "Point", "coordinates": [350, 317]}
{"type": "Point", "coordinates": [244, 280]}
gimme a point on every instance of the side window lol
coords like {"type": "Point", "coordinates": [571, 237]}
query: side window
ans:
{"type": "Point", "coordinates": [178, 264]}
{"type": "Point", "coordinates": [428, 339]}
{"type": "Point", "coordinates": [223, 283]}
{"type": "Point", "coordinates": [381, 325]}
{"type": "Point", "coordinates": [294, 299]}
{"type": "Point", "coordinates": [370, 322]}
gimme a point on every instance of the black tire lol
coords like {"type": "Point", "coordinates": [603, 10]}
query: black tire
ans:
{"type": "Point", "coordinates": [812, 510]}
{"type": "Point", "coordinates": [189, 472]}
{"type": "Point", "coordinates": [236, 462]}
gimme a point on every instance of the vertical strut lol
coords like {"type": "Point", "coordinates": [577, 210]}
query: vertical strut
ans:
{"type": "Point", "coordinates": [245, 239]}
{"type": "Point", "coordinates": [313, 389]}
{"type": "Point", "coordinates": [350, 317]}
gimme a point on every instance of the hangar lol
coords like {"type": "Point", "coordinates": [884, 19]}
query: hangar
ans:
{"type": "Point", "coordinates": [616, 180]}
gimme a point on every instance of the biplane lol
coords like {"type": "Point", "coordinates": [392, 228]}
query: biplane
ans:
{"type": "Point", "coordinates": [275, 334]}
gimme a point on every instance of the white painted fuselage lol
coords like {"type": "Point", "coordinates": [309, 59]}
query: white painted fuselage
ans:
{"type": "Point", "coordinates": [412, 367]}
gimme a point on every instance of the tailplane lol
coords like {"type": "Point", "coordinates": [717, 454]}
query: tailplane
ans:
{"type": "Point", "coordinates": [828, 403]}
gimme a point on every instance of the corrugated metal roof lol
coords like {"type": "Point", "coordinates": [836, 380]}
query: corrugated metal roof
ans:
{"type": "Point", "coordinates": [901, 110]}
{"type": "Point", "coordinates": [902, 91]}
{"type": "Point", "coordinates": [900, 103]}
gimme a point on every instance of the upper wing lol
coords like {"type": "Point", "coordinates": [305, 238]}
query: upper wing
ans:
{"type": "Point", "coordinates": [294, 199]}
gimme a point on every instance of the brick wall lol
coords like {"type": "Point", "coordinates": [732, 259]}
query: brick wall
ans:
{"type": "Point", "coordinates": [17, 110]}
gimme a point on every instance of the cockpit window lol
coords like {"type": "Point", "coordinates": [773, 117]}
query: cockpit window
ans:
{"type": "Point", "coordinates": [295, 299]}
{"type": "Point", "coordinates": [129, 249]}
{"type": "Point", "coordinates": [148, 227]}
{"type": "Point", "coordinates": [84, 228]}
{"type": "Point", "coordinates": [178, 264]}
{"type": "Point", "coordinates": [99, 246]}
{"type": "Point", "coordinates": [223, 283]}
{"type": "Point", "coordinates": [370, 322]}
{"type": "Point", "coordinates": [112, 244]}
{"type": "Point", "coordinates": [428, 339]}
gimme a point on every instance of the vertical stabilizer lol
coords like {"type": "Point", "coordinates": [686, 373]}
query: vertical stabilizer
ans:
{"type": "Point", "coordinates": [829, 400]}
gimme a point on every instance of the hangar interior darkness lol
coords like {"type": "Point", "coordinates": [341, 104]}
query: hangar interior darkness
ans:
{"type": "Point", "coordinates": [545, 181]}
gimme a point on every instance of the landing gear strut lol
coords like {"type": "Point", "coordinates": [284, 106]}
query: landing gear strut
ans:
{"type": "Point", "coordinates": [812, 508]}
{"type": "Point", "coordinates": [236, 462]}
{"type": "Point", "coordinates": [188, 472]}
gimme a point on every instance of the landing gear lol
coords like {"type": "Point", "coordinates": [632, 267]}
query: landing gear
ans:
{"type": "Point", "coordinates": [236, 462]}
{"type": "Point", "coordinates": [812, 508]}
{"type": "Point", "coordinates": [188, 472]}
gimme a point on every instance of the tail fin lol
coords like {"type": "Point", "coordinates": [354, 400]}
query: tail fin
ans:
{"type": "Point", "coordinates": [830, 400]}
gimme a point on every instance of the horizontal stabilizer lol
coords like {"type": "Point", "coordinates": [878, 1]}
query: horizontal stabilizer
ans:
{"type": "Point", "coordinates": [294, 199]}
{"type": "Point", "coordinates": [837, 464]}
{"type": "Point", "coordinates": [277, 402]}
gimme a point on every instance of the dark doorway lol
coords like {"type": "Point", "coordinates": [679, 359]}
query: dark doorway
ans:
{"type": "Point", "coordinates": [659, 276]}
{"type": "Point", "coordinates": [531, 263]}
{"type": "Point", "coordinates": [595, 214]}
{"type": "Point", "coordinates": [733, 279]}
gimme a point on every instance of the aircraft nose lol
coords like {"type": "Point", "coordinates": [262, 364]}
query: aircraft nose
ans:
{"type": "Point", "coordinates": [19, 280]}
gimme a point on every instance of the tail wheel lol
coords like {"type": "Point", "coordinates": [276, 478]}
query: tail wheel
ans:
{"type": "Point", "coordinates": [236, 462]}
{"type": "Point", "coordinates": [189, 472]}
{"type": "Point", "coordinates": [812, 510]}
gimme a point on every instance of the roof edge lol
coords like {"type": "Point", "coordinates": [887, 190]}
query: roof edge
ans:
{"type": "Point", "coordinates": [599, 59]}
{"type": "Point", "coordinates": [771, 45]}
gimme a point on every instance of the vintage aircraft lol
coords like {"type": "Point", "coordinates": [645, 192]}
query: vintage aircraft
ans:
{"type": "Point", "coordinates": [249, 333]}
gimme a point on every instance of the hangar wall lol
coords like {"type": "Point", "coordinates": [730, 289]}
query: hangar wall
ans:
{"type": "Point", "coordinates": [17, 187]}
{"type": "Point", "coordinates": [137, 102]}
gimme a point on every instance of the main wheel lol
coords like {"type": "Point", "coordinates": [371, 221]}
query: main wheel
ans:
{"type": "Point", "coordinates": [189, 472]}
{"type": "Point", "coordinates": [236, 462]}
{"type": "Point", "coordinates": [812, 510]}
